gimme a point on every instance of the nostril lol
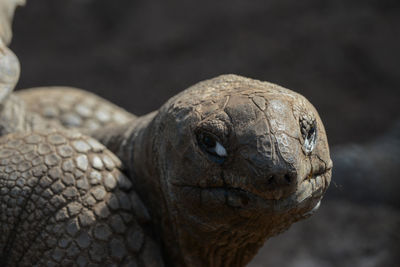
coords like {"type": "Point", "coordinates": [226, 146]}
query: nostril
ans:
{"type": "Point", "coordinates": [278, 184]}
{"type": "Point", "coordinates": [282, 179]}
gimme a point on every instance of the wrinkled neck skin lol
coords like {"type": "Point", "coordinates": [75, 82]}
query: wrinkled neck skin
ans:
{"type": "Point", "coordinates": [187, 241]}
{"type": "Point", "coordinates": [133, 143]}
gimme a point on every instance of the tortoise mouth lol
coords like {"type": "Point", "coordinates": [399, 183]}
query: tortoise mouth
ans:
{"type": "Point", "coordinates": [306, 196]}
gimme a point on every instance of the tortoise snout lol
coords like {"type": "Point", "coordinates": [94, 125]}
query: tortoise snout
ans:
{"type": "Point", "coordinates": [276, 183]}
{"type": "Point", "coordinates": [281, 183]}
{"type": "Point", "coordinates": [281, 179]}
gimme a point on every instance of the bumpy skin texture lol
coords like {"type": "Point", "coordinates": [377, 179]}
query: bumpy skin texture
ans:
{"type": "Point", "coordinates": [65, 200]}
{"type": "Point", "coordinates": [70, 108]}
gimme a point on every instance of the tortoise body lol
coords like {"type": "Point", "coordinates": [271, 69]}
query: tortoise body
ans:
{"type": "Point", "coordinates": [64, 201]}
{"type": "Point", "coordinates": [85, 182]}
{"type": "Point", "coordinates": [64, 197]}
{"type": "Point", "coordinates": [203, 181]}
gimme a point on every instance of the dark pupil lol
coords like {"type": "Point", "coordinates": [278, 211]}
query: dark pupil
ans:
{"type": "Point", "coordinates": [208, 141]}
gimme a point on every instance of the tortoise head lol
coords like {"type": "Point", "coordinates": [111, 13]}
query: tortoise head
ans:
{"type": "Point", "coordinates": [239, 161]}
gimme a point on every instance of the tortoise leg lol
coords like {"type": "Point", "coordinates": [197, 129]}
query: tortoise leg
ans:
{"type": "Point", "coordinates": [65, 202]}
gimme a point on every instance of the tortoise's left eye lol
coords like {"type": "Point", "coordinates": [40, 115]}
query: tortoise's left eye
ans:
{"type": "Point", "coordinates": [310, 138]}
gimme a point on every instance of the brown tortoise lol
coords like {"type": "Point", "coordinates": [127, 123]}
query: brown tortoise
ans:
{"type": "Point", "coordinates": [203, 181]}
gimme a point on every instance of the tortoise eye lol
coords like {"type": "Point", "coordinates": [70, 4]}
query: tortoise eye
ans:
{"type": "Point", "coordinates": [208, 141]}
{"type": "Point", "coordinates": [210, 144]}
{"type": "Point", "coordinates": [310, 137]}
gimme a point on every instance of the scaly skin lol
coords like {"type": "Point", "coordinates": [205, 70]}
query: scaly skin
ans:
{"type": "Point", "coordinates": [64, 201]}
{"type": "Point", "coordinates": [71, 108]}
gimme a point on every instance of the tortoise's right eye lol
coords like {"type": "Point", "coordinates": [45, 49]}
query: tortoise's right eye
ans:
{"type": "Point", "coordinates": [212, 146]}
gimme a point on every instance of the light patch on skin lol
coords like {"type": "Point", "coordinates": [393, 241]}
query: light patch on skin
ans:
{"type": "Point", "coordinates": [283, 143]}
{"type": "Point", "coordinates": [220, 150]}
{"type": "Point", "coordinates": [279, 113]}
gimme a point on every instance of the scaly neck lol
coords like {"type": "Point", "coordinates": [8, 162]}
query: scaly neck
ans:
{"type": "Point", "coordinates": [133, 144]}
{"type": "Point", "coordinates": [130, 142]}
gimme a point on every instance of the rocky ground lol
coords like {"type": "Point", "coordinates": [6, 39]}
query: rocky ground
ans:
{"type": "Point", "coordinates": [341, 54]}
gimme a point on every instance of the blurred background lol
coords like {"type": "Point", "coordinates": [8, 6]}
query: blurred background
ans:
{"type": "Point", "coordinates": [343, 55]}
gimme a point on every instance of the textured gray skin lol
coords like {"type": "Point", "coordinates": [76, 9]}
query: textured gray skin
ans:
{"type": "Point", "coordinates": [65, 107]}
{"type": "Point", "coordinates": [65, 202]}
{"type": "Point", "coordinates": [152, 194]}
